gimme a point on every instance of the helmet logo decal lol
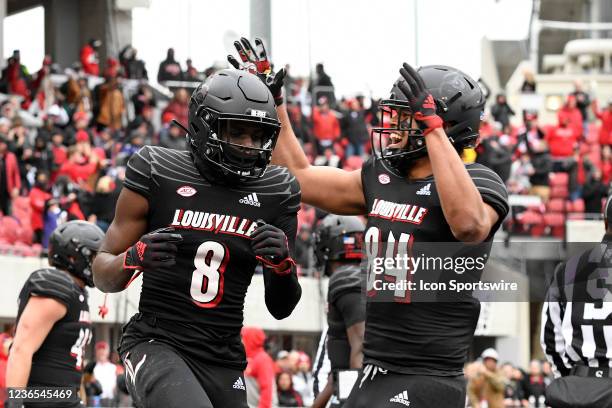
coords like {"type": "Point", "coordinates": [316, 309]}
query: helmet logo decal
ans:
{"type": "Point", "coordinates": [259, 113]}
{"type": "Point", "coordinates": [186, 191]}
{"type": "Point", "coordinates": [384, 178]}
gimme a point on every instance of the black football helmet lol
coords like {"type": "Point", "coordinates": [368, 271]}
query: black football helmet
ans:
{"type": "Point", "coordinates": [228, 105]}
{"type": "Point", "coordinates": [459, 102]}
{"type": "Point", "coordinates": [338, 238]}
{"type": "Point", "coordinates": [72, 246]}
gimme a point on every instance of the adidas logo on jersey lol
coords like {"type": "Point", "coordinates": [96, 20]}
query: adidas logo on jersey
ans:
{"type": "Point", "coordinates": [251, 199]}
{"type": "Point", "coordinates": [401, 398]}
{"type": "Point", "coordinates": [239, 384]}
{"type": "Point", "coordinates": [425, 190]}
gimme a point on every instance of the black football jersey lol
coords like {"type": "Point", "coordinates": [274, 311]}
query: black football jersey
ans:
{"type": "Point", "coordinates": [418, 335]}
{"type": "Point", "coordinates": [198, 302]}
{"type": "Point", "coordinates": [59, 360]}
{"type": "Point", "coordinates": [346, 307]}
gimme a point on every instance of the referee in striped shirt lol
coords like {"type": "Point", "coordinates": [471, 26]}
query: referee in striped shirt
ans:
{"type": "Point", "coordinates": [577, 327]}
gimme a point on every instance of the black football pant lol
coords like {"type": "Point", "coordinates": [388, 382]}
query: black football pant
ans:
{"type": "Point", "coordinates": [393, 390]}
{"type": "Point", "coordinates": [157, 376]}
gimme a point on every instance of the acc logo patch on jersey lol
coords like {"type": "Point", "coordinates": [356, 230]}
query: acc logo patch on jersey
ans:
{"type": "Point", "coordinates": [384, 178]}
{"type": "Point", "coordinates": [186, 191]}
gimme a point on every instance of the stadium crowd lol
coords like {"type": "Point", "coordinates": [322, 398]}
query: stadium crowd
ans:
{"type": "Point", "coordinates": [66, 136]}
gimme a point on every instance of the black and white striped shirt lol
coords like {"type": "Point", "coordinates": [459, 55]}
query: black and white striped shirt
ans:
{"type": "Point", "coordinates": [577, 312]}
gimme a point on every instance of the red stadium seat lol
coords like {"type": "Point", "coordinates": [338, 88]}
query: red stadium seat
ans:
{"type": "Point", "coordinates": [559, 179]}
{"type": "Point", "coordinates": [9, 228]}
{"type": "Point", "coordinates": [559, 192]}
{"type": "Point", "coordinates": [555, 205]}
{"type": "Point", "coordinates": [554, 219]}
{"type": "Point", "coordinates": [576, 206]}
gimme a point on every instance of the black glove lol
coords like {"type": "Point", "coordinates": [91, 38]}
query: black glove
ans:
{"type": "Point", "coordinates": [421, 101]}
{"type": "Point", "coordinates": [256, 62]}
{"type": "Point", "coordinates": [155, 249]}
{"type": "Point", "coordinates": [270, 246]}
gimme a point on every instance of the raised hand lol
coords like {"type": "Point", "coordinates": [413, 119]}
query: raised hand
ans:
{"type": "Point", "coordinates": [255, 60]}
{"type": "Point", "coordinates": [422, 103]}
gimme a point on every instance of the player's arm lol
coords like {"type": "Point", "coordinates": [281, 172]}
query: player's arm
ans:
{"type": "Point", "coordinates": [331, 189]}
{"type": "Point", "coordinates": [334, 190]}
{"type": "Point", "coordinates": [325, 394]}
{"type": "Point", "coordinates": [469, 217]}
{"type": "Point", "coordinates": [129, 224]}
{"type": "Point", "coordinates": [551, 335]}
{"type": "Point", "coordinates": [352, 309]}
{"type": "Point", "coordinates": [35, 323]}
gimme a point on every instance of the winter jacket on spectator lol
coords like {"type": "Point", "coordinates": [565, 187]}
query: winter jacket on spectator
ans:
{"type": "Point", "coordinates": [562, 140]}
{"type": "Point", "coordinates": [259, 373]}
{"type": "Point", "coordinates": [354, 126]}
{"type": "Point", "coordinates": [569, 114]}
{"type": "Point", "coordinates": [10, 166]}
{"type": "Point", "coordinates": [593, 191]}
{"type": "Point", "coordinates": [179, 107]}
{"type": "Point", "coordinates": [325, 125]}
{"type": "Point", "coordinates": [605, 131]}
{"type": "Point", "coordinates": [169, 69]}
{"type": "Point", "coordinates": [287, 395]}
{"type": "Point", "coordinates": [89, 60]}
{"type": "Point", "coordinates": [111, 105]}
{"type": "Point", "coordinates": [495, 156]}
{"type": "Point", "coordinates": [79, 168]}
{"type": "Point", "coordinates": [501, 111]}
{"type": "Point", "coordinates": [38, 199]}
{"type": "Point", "coordinates": [582, 103]}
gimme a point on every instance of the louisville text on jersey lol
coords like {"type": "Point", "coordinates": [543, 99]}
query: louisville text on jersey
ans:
{"type": "Point", "coordinates": [217, 223]}
{"type": "Point", "coordinates": [397, 212]}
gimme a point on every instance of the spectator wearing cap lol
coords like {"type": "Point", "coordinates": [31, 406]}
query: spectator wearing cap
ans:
{"type": "Point", "coordinates": [106, 373]}
{"type": "Point", "coordinates": [282, 361]}
{"type": "Point", "coordinates": [501, 111]}
{"type": "Point", "coordinates": [259, 373]}
{"type": "Point", "coordinates": [486, 386]}
{"type": "Point", "coordinates": [605, 116]}
{"type": "Point", "coordinates": [173, 137]}
{"type": "Point", "coordinates": [325, 125]}
{"type": "Point", "coordinates": [10, 178]}
{"type": "Point", "coordinates": [39, 199]}
{"type": "Point", "coordinates": [89, 57]}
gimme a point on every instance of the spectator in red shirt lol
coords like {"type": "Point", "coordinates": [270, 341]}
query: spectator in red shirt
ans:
{"type": "Point", "coordinates": [178, 106]}
{"type": "Point", "coordinates": [325, 125]}
{"type": "Point", "coordinates": [260, 370]}
{"type": "Point", "coordinates": [89, 57]}
{"type": "Point", "coordinates": [562, 139]}
{"type": "Point", "coordinates": [79, 168]}
{"type": "Point", "coordinates": [605, 115]}
{"type": "Point", "coordinates": [60, 153]}
{"type": "Point", "coordinates": [571, 115]}
{"type": "Point", "coordinates": [39, 196]}
{"type": "Point", "coordinates": [10, 178]}
{"type": "Point", "coordinates": [606, 164]}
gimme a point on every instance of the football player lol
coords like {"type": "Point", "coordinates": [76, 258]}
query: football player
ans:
{"type": "Point", "coordinates": [415, 189]}
{"type": "Point", "coordinates": [53, 324]}
{"type": "Point", "coordinates": [197, 223]}
{"type": "Point", "coordinates": [339, 251]}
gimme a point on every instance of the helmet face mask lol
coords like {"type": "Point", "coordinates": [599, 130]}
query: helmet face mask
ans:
{"type": "Point", "coordinates": [230, 133]}
{"type": "Point", "coordinates": [459, 102]}
{"type": "Point", "coordinates": [338, 239]}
